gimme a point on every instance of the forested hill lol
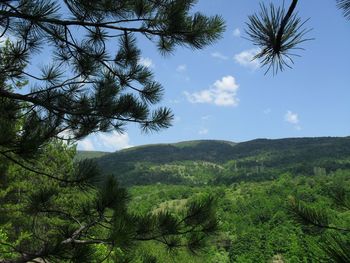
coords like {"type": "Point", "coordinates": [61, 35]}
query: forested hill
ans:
{"type": "Point", "coordinates": [209, 150]}
{"type": "Point", "coordinates": [252, 160]}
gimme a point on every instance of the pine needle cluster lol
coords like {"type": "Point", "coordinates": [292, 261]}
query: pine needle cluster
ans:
{"type": "Point", "coordinates": [277, 34]}
{"type": "Point", "coordinates": [91, 78]}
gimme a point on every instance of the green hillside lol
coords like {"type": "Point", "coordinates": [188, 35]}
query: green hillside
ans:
{"type": "Point", "coordinates": [222, 162]}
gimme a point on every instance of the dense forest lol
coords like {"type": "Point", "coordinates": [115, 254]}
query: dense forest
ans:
{"type": "Point", "coordinates": [255, 185]}
{"type": "Point", "coordinates": [257, 223]}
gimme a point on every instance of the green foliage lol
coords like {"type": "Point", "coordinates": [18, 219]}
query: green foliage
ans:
{"type": "Point", "coordinates": [51, 219]}
{"type": "Point", "coordinates": [254, 218]}
{"type": "Point", "coordinates": [331, 218]}
{"type": "Point", "coordinates": [336, 246]}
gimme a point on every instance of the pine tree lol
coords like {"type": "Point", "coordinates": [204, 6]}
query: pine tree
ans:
{"type": "Point", "coordinates": [59, 222]}
{"type": "Point", "coordinates": [91, 81]}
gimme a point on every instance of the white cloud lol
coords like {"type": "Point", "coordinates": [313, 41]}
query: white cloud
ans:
{"type": "Point", "coordinates": [114, 140]}
{"type": "Point", "coordinates": [222, 93]}
{"type": "Point", "coordinates": [86, 145]}
{"type": "Point", "coordinates": [245, 58]}
{"type": "Point", "coordinates": [105, 142]}
{"type": "Point", "coordinates": [146, 62]}
{"type": "Point", "coordinates": [203, 131]}
{"type": "Point", "coordinates": [218, 55]}
{"type": "Point", "coordinates": [181, 68]}
{"type": "Point", "coordinates": [291, 117]}
{"type": "Point", "coordinates": [236, 32]}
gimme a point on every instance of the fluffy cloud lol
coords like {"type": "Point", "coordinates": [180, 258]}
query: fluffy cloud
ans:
{"type": "Point", "coordinates": [114, 140]}
{"type": "Point", "coordinates": [245, 58]}
{"type": "Point", "coordinates": [218, 55]}
{"type": "Point", "coordinates": [146, 62]}
{"type": "Point", "coordinates": [181, 68]}
{"type": "Point", "coordinates": [105, 142]}
{"type": "Point", "coordinates": [291, 117]}
{"type": "Point", "coordinates": [222, 93]}
{"type": "Point", "coordinates": [236, 32]}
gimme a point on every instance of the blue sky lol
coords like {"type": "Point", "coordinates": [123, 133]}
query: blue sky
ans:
{"type": "Point", "coordinates": [217, 93]}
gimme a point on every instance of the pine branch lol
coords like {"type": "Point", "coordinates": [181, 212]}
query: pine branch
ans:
{"type": "Point", "coordinates": [61, 110]}
{"type": "Point", "coordinates": [276, 34]}
{"type": "Point", "coordinates": [312, 216]}
{"type": "Point", "coordinates": [345, 6]}
{"type": "Point", "coordinates": [106, 25]}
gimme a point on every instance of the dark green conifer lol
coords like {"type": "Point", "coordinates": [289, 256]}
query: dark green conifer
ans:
{"type": "Point", "coordinates": [91, 77]}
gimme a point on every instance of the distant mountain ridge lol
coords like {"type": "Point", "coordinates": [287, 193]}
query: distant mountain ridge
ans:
{"type": "Point", "coordinates": [183, 144]}
{"type": "Point", "coordinates": [298, 155]}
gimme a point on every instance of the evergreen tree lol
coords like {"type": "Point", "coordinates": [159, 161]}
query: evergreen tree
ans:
{"type": "Point", "coordinates": [59, 222]}
{"type": "Point", "coordinates": [92, 81]}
